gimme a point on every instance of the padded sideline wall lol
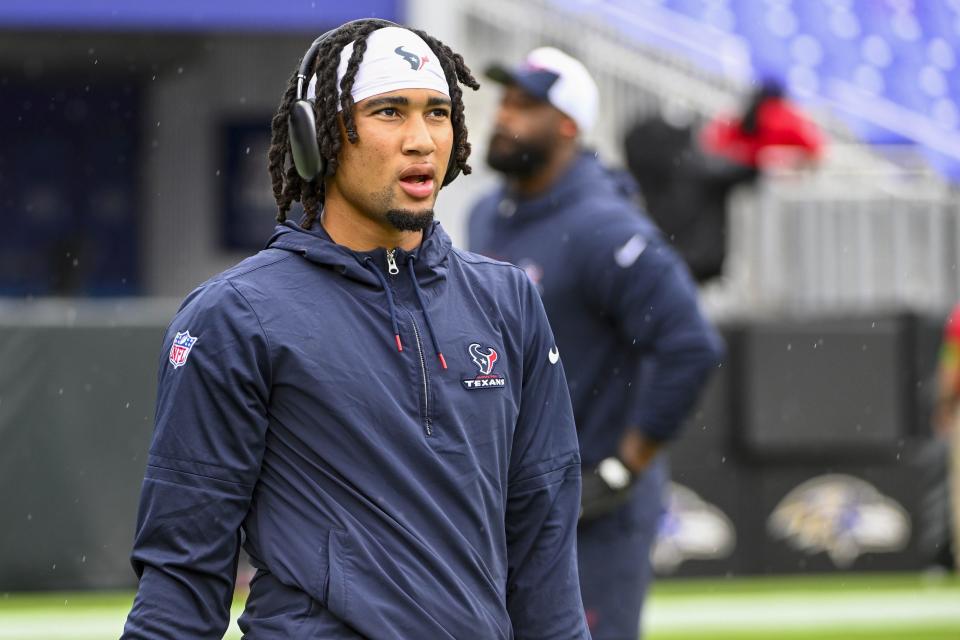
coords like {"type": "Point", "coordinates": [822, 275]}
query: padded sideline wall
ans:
{"type": "Point", "coordinates": [76, 414]}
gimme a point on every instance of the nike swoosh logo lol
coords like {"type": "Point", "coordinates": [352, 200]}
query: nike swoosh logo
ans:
{"type": "Point", "coordinates": [626, 255]}
{"type": "Point", "coordinates": [554, 356]}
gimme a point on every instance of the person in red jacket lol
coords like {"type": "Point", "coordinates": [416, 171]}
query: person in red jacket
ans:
{"type": "Point", "coordinates": [771, 133]}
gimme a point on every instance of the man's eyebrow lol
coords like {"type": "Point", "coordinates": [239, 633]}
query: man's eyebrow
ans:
{"type": "Point", "coordinates": [403, 101]}
{"type": "Point", "coordinates": [388, 101]}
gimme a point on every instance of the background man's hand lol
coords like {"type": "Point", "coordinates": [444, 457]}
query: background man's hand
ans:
{"type": "Point", "coordinates": [605, 488]}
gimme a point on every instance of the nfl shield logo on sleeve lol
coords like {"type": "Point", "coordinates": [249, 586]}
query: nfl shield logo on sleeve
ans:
{"type": "Point", "coordinates": [182, 344]}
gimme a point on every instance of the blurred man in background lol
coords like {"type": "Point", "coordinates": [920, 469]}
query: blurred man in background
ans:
{"type": "Point", "coordinates": [623, 309]}
{"type": "Point", "coordinates": [686, 176]}
{"type": "Point", "coordinates": [385, 490]}
{"type": "Point", "coordinates": [685, 191]}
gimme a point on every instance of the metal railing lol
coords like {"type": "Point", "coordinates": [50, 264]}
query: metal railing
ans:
{"type": "Point", "coordinates": [843, 239]}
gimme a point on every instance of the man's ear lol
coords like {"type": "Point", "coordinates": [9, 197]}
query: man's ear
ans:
{"type": "Point", "coordinates": [568, 128]}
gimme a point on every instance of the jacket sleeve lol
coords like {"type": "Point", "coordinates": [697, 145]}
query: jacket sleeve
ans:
{"type": "Point", "coordinates": [543, 501]}
{"type": "Point", "coordinates": [202, 465]}
{"type": "Point", "coordinates": [646, 292]}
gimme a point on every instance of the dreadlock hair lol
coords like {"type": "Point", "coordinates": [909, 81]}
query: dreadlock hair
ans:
{"type": "Point", "coordinates": [288, 186]}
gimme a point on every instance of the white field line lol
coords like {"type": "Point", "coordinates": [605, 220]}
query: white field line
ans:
{"type": "Point", "coordinates": [47, 624]}
{"type": "Point", "coordinates": [804, 611]}
{"type": "Point", "coordinates": [672, 613]}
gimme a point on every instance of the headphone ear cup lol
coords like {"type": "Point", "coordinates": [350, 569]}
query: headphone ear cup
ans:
{"type": "Point", "coordinates": [302, 128]}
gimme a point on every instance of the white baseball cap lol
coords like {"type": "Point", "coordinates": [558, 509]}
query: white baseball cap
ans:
{"type": "Point", "coordinates": [552, 75]}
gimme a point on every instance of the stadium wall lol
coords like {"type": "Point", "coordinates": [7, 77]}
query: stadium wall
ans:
{"type": "Point", "coordinates": [76, 414]}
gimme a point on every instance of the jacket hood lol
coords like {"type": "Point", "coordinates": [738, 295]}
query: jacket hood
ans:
{"type": "Point", "coordinates": [315, 245]}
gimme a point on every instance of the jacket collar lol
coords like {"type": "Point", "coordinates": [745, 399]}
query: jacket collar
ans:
{"type": "Point", "coordinates": [315, 245]}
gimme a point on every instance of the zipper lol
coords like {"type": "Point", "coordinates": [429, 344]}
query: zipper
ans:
{"type": "Point", "coordinates": [393, 270]}
{"type": "Point", "coordinates": [392, 267]}
{"type": "Point", "coordinates": [428, 427]}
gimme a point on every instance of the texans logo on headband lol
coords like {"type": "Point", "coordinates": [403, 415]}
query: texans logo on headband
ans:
{"type": "Point", "coordinates": [416, 62]}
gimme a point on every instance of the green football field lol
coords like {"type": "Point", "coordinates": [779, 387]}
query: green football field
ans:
{"type": "Point", "coordinates": [838, 607]}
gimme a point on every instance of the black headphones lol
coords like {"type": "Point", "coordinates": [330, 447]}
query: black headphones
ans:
{"type": "Point", "coordinates": [302, 126]}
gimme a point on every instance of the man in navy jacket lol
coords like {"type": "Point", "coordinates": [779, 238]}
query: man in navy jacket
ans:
{"type": "Point", "coordinates": [623, 309]}
{"type": "Point", "coordinates": [378, 418]}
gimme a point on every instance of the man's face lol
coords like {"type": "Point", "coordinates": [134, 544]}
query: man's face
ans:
{"type": "Point", "coordinates": [393, 173]}
{"type": "Point", "coordinates": [525, 134]}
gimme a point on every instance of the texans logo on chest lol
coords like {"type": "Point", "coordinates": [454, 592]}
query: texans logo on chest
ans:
{"type": "Point", "coordinates": [485, 359]}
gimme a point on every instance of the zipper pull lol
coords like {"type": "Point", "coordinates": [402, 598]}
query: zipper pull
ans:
{"type": "Point", "coordinates": [392, 267]}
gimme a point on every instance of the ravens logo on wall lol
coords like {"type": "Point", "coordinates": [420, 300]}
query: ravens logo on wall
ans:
{"type": "Point", "coordinates": [841, 515]}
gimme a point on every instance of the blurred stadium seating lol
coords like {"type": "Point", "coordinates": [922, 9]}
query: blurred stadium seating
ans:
{"type": "Point", "coordinates": [876, 226]}
{"type": "Point", "coordinates": [900, 56]}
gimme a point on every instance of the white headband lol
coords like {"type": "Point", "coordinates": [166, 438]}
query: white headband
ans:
{"type": "Point", "coordinates": [395, 59]}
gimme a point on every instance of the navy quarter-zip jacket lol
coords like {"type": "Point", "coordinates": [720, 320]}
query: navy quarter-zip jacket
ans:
{"type": "Point", "coordinates": [377, 494]}
{"type": "Point", "coordinates": [622, 305]}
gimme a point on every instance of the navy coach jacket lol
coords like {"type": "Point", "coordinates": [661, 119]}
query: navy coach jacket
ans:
{"type": "Point", "coordinates": [622, 305]}
{"type": "Point", "coordinates": [377, 493]}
